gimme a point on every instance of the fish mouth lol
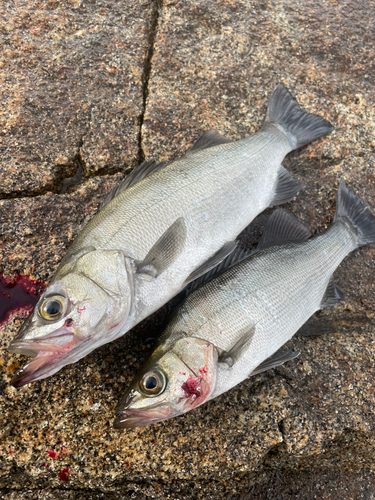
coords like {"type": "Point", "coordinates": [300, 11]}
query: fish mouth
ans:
{"type": "Point", "coordinates": [128, 419]}
{"type": "Point", "coordinates": [46, 352]}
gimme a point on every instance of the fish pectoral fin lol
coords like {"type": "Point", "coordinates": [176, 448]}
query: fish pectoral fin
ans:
{"type": "Point", "coordinates": [316, 326]}
{"type": "Point", "coordinates": [278, 358]}
{"type": "Point", "coordinates": [138, 174]}
{"type": "Point", "coordinates": [166, 250]}
{"type": "Point", "coordinates": [229, 358]}
{"type": "Point", "coordinates": [282, 228]}
{"type": "Point", "coordinates": [238, 255]}
{"type": "Point", "coordinates": [208, 139]}
{"type": "Point", "coordinates": [212, 262]}
{"type": "Point", "coordinates": [332, 296]}
{"type": "Point", "coordinates": [287, 187]}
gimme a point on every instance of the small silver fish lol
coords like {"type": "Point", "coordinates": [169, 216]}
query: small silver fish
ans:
{"type": "Point", "coordinates": [234, 326]}
{"type": "Point", "coordinates": [160, 229]}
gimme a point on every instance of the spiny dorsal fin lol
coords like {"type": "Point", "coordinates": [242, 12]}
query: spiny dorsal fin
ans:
{"type": "Point", "coordinates": [212, 262]}
{"type": "Point", "coordinates": [166, 250]}
{"type": "Point", "coordinates": [279, 358]}
{"type": "Point", "coordinates": [282, 228]}
{"type": "Point", "coordinates": [234, 258]}
{"type": "Point", "coordinates": [332, 296]}
{"type": "Point", "coordinates": [208, 139]}
{"type": "Point", "coordinates": [139, 173]}
{"type": "Point", "coordinates": [287, 187]}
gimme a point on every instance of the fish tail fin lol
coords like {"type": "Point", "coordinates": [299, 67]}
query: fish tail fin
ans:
{"type": "Point", "coordinates": [351, 208]}
{"type": "Point", "coordinates": [301, 127]}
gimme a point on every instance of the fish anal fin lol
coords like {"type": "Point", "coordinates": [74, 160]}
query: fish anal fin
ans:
{"type": "Point", "coordinates": [278, 358]}
{"type": "Point", "coordinates": [136, 175]}
{"type": "Point", "coordinates": [208, 139]}
{"type": "Point", "coordinates": [287, 187]}
{"type": "Point", "coordinates": [229, 358]}
{"type": "Point", "coordinates": [316, 326]}
{"type": "Point", "coordinates": [166, 250]}
{"type": "Point", "coordinates": [282, 228]}
{"type": "Point", "coordinates": [332, 296]}
{"type": "Point", "coordinates": [212, 262]}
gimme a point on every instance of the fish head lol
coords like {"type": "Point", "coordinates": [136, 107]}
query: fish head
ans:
{"type": "Point", "coordinates": [84, 307]}
{"type": "Point", "coordinates": [172, 382]}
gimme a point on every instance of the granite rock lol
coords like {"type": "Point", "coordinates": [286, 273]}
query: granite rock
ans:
{"type": "Point", "coordinates": [304, 430]}
{"type": "Point", "coordinates": [71, 87]}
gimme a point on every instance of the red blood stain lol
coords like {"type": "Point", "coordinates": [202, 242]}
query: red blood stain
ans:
{"type": "Point", "coordinates": [19, 294]}
{"type": "Point", "coordinates": [45, 465]}
{"type": "Point", "coordinates": [69, 322]}
{"type": "Point", "coordinates": [81, 309]}
{"type": "Point", "coordinates": [64, 474]}
{"type": "Point", "coordinates": [51, 453]}
{"type": "Point", "coordinates": [182, 373]}
{"type": "Point", "coordinates": [192, 387]}
{"type": "Point", "coordinates": [203, 371]}
{"type": "Point", "coordinates": [57, 454]}
{"type": "Point", "coordinates": [11, 451]}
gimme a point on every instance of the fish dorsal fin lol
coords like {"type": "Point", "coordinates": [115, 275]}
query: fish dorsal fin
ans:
{"type": "Point", "coordinates": [332, 296]}
{"type": "Point", "coordinates": [234, 258]}
{"type": "Point", "coordinates": [287, 187]}
{"type": "Point", "coordinates": [212, 262]}
{"type": "Point", "coordinates": [166, 250]}
{"type": "Point", "coordinates": [282, 228]}
{"type": "Point", "coordinates": [208, 139]}
{"type": "Point", "coordinates": [139, 173]}
{"type": "Point", "coordinates": [279, 358]}
{"type": "Point", "coordinates": [229, 358]}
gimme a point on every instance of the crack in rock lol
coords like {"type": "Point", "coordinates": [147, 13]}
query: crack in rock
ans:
{"type": "Point", "coordinates": [157, 7]}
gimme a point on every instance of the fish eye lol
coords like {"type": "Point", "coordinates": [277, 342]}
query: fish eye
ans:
{"type": "Point", "coordinates": [52, 307]}
{"type": "Point", "coordinates": [153, 383]}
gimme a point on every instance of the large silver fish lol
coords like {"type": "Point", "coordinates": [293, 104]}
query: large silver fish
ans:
{"type": "Point", "coordinates": [234, 326]}
{"type": "Point", "coordinates": [160, 229]}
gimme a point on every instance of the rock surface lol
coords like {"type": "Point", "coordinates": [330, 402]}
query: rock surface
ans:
{"type": "Point", "coordinates": [74, 77]}
{"type": "Point", "coordinates": [71, 82]}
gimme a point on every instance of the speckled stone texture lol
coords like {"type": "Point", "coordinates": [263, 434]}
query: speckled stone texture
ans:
{"type": "Point", "coordinates": [70, 77]}
{"type": "Point", "coordinates": [74, 77]}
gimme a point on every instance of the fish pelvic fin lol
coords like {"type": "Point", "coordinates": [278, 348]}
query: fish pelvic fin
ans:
{"type": "Point", "coordinates": [278, 358]}
{"type": "Point", "coordinates": [351, 208]}
{"type": "Point", "coordinates": [301, 127]}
